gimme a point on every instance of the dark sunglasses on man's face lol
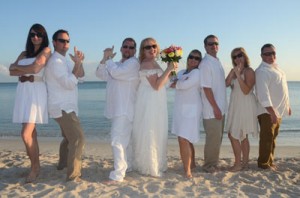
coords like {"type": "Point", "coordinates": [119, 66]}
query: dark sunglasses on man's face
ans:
{"type": "Point", "coordinates": [212, 43]}
{"type": "Point", "coordinates": [194, 57]}
{"type": "Point", "coordinates": [126, 47]}
{"type": "Point", "coordinates": [39, 35]}
{"type": "Point", "coordinates": [63, 40]}
{"type": "Point", "coordinates": [269, 54]}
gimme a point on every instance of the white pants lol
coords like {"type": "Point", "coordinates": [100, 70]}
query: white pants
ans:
{"type": "Point", "coordinates": [121, 130]}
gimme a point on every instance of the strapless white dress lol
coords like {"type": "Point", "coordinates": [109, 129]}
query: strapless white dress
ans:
{"type": "Point", "coordinates": [31, 99]}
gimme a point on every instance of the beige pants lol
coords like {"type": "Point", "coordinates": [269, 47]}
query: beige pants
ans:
{"type": "Point", "coordinates": [72, 145]}
{"type": "Point", "coordinates": [214, 133]}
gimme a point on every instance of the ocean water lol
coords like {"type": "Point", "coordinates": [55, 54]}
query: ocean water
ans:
{"type": "Point", "coordinates": [96, 126]}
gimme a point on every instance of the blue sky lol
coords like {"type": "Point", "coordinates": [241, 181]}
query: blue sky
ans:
{"type": "Point", "coordinates": [94, 25]}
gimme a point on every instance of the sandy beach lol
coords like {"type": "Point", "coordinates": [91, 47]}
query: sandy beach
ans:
{"type": "Point", "coordinates": [97, 163]}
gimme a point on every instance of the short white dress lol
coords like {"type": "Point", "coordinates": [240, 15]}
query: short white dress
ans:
{"type": "Point", "coordinates": [150, 127]}
{"type": "Point", "coordinates": [31, 99]}
{"type": "Point", "coordinates": [241, 117]}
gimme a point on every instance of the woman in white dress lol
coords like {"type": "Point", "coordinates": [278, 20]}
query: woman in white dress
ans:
{"type": "Point", "coordinates": [31, 95]}
{"type": "Point", "coordinates": [150, 125]}
{"type": "Point", "coordinates": [187, 110]}
{"type": "Point", "coordinates": [241, 117]}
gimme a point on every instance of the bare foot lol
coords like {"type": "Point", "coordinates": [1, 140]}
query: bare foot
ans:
{"type": "Point", "coordinates": [235, 168]}
{"type": "Point", "coordinates": [211, 169]}
{"type": "Point", "coordinates": [273, 167]}
{"type": "Point", "coordinates": [188, 174]}
{"type": "Point", "coordinates": [32, 177]}
{"type": "Point", "coordinates": [75, 179]}
{"type": "Point", "coordinates": [245, 166]}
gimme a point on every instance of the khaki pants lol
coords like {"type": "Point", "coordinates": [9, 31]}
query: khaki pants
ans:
{"type": "Point", "coordinates": [214, 133]}
{"type": "Point", "coordinates": [267, 137]}
{"type": "Point", "coordinates": [72, 145]}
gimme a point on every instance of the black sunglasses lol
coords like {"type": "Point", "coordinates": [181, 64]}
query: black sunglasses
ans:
{"type": "Point", "coordinates": [32, 35]}
{"type": "Point", "coordinates": [63, 40]}
{"type": "Point", "coordinates": [194, 57]}
{"type": "Point", "coordinates": [212, 43]}
{"type": "Point", "coordinates": [240, 55]}
{"type": "Point", "coordinates": [126, 47]}
{"type": "Point", "coordinates": [147, 47]}
{"type": "Point", "coordinates": [269, 54]}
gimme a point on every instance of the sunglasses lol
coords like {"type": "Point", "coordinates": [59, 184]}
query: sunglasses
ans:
{"type": "Point", "coordinates": [240, 55]}
{"type": "Point", "coordinates": [63, 40]}
{"type": "Point", "coordinates": [126, 47]}
{"type": "Point", "coordinates": [147, 47]}
{"type": "Point", "coordinates": [194, 57]}
{"type": "Point", "coordinates": [269, 54]}
{"type": "Point", "coordinates": [32, 35]}
{"type": "Point", "coordinates": [212, 43]}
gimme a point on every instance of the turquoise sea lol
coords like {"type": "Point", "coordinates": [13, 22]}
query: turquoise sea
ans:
{"type": "Point", "coordinates": [96, 126]}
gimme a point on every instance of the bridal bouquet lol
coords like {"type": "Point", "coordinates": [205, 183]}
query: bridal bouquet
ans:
{"type": "Point", "coordinates": [171, 54]}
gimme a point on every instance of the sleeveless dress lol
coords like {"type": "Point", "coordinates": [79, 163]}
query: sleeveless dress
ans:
{"type": "Point", "coordinates": [150, 127]}
{"type": "Point", "coordinates": [31, 99]}
{"type": "Point", "coordinates": [241, 117]}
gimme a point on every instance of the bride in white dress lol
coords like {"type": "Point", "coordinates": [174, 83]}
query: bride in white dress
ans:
{"type": "Point", "coordinates": [150, 125]}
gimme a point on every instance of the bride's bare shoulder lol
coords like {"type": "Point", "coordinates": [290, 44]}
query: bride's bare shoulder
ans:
{"type": "Point", "coordinates": [146, 65]}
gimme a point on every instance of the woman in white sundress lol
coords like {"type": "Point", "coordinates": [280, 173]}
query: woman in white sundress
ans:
{"type": "Point", "coordinates": [31, 95]}
{"type": "Point", "coordinates": [241, 117]}
{"type": "Point", "coordinates": [188, 110]}
{"type": "Point", "coordinates": [150, 125]}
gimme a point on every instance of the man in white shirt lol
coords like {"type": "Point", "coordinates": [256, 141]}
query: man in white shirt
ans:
{"type": "Point", "coordinates": [273, 103]}
{"type": "Point", "coordinates": [213, 94]}
{"type": "Point", "coordinates": [61, 79]}
{"type": "Point", "coordinates": [122, 82]}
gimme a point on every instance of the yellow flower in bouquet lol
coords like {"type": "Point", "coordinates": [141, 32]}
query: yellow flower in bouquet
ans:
{"type": "Point", "coordinates": [171, 54]}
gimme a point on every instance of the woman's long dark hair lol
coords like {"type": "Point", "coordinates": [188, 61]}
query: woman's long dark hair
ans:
{"type": "Point", "coordinates": [38, 28]}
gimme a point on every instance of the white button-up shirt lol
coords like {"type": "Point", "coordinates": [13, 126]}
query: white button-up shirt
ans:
{"type": "Point", "coordinates": [271, 89]}
{"type": "Point", "coordinates": [212, 76]}
{"type": "Point", "coordinates": [122, 82]}
{"type": "Point", "coordinates": [61, 86]}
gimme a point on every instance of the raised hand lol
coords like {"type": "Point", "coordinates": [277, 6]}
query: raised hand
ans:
{"type": "Point", "coordinates": [109, 53]}
{"type": "Point", "coordinates": [78, 56]}
{"type": "Point", "coordinates": [173, 66]}
{"type": "Point", "coordinates": [238, 69]}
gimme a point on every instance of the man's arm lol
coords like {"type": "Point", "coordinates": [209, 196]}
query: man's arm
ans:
{"type": "Point", "coordinates": [211, 99]}
{"type": "Point", "coordinates": [78, 58]}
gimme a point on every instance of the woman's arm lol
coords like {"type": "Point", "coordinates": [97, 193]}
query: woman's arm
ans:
{"type": "Point", "coordinates": [36, 66]}
{"type": "Point", "coordinates": [249, 81]}
{"type": "Point", "coordinates": [157, 82]}
{"type": "Point", "coordinates": [14, 72]}
{"type": "Point", "coordinates": [229, 78]}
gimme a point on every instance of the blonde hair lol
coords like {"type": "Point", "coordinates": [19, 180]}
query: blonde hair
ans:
{"type": "Point", "coordinates": [243, 51]}
{"type": "Point", "coordinates": [142, 45]}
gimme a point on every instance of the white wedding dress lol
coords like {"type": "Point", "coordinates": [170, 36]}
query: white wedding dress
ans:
{"type": "Point", "coordinates": [150, 128]}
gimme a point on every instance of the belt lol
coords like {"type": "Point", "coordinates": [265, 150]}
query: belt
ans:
{"type": "Point", "coordinates": [30, 78]}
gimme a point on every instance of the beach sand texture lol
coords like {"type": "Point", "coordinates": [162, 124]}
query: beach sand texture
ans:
{"type": "Point", "coordinates": [98, 162]}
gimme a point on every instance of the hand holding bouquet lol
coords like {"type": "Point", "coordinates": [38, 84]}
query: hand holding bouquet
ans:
{"type": "Point", "coordinates": [171, 54]}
